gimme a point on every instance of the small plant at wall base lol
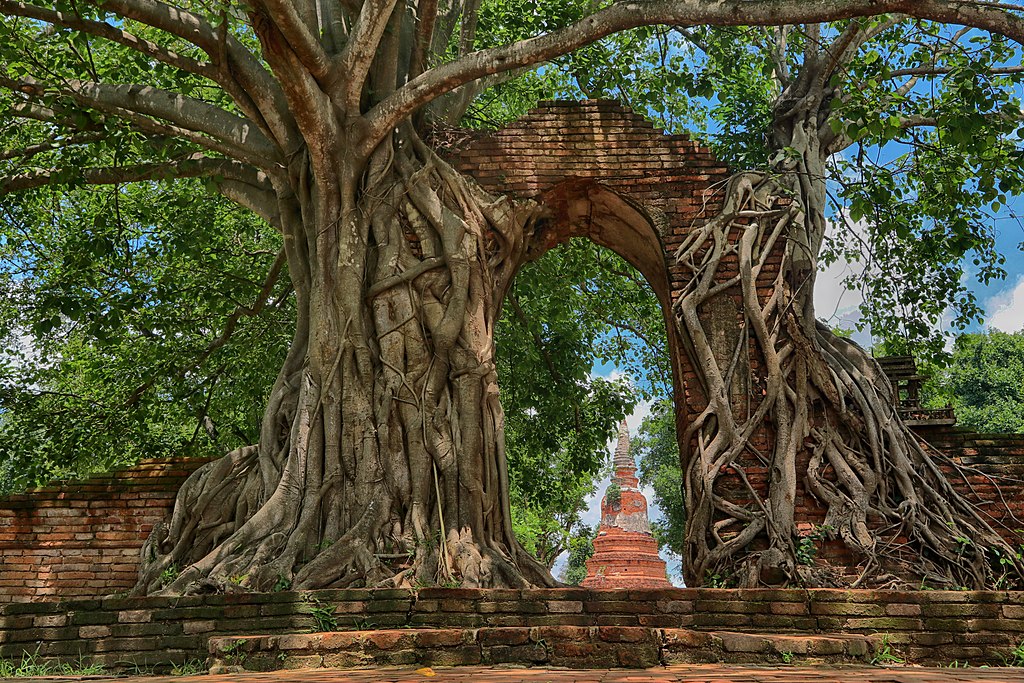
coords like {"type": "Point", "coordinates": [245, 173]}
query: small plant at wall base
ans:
{"type": "Point", "coordinates": [232, 652]}
{"type": "Point", "coordinates": [722, 580]}
{"type": "Point", "coordinates": [886, 654]}
{"type": "Point", "coordinates": [807, 548]}
{"type": "Point", "coordinates": [168, 575]}
{"type": "Point", "coordinates": [30, 667]}
{"type": "Point", "coordinates": [323, 616]}
{"type": "Point", "coordinates": [613, 496]}
{"type": "Point", "coordinates": [191, 667]}
{"type": "Point", "coordinates": [1016, 655]}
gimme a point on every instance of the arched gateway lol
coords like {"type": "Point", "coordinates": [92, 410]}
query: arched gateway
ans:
{"type": "Point", "coordinates": [605, 173]}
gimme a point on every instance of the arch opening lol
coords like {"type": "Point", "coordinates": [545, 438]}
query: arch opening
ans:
{"type": "Point", "coordinates": [584, 220]}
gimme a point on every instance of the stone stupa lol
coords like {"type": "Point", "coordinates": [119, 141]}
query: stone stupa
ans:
{"type": "Point", "coordinates": [625, 552]}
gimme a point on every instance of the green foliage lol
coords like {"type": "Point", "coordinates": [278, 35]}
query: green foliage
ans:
{"type": "Point", "coordinates": [116, 300]}
{"type": "Point", "coordinates": [576, 307]}
{"type": "Point", "coordinates": [1016, 657]}
{"type": "Point", "coordinates": [324, 619]}
{"type": "Point", "coordinates": [886, 654]}
{"type": "Point", "coordinates": [920, 200]}
{"type": "Point", "coordinates": [581, 549]}
{"type": "Point", "coordinates": [613, 495]}
{"type": "Point", "coordinates": [718, 580]}
{"type": "Point", "coordinates": [657, 455]}
{"type": "Point", "coordinates": [30, 666]}
{"type": "Point", "coordinates": [984, 382]}
{"type": "Point", "coordinates": [168, 575]}
{"type": "Point", "coordinates": [807, 546]}
{"type": "Point", "coordinates": [191, 667]}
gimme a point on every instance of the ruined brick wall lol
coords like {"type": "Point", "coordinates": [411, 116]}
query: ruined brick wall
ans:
{"type": "Point", "coordinates": [988, 469]}
{"type": "Point", "coordinates": [934, 627]}
{"type": "Point", "coordinates": [578, 159]}
{"type": "Point", "coordinates": [82, 539]}
{"type": "Point", "coordinates": [562, 154]}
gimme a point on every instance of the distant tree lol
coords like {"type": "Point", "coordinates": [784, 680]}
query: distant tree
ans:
{"type": "Point", "coordinates": [984, 382]}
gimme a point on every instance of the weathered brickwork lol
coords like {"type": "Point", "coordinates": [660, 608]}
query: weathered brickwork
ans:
{"type": "Point", "coordinates": [82, 539]}
{"type": "Point", "coordinates": [988, 469]}
{"type": "Point", "coordinates": [605, 173]}
{"type": "Point", "coordinates": [569, 156]}
{"type": "Point", "coordinates": [935, 627]}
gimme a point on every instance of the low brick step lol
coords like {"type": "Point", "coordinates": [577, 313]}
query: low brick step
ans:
{"type": "Point", "coordinates": [575, 647]}
{"type": "Point", "coordinates": [684, 646]}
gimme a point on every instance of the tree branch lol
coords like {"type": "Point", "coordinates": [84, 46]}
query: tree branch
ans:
{"type": "Point", "coordinates": [425, 21]}
{"type": "Point", "coordinates": [296, 34]}
{"type": "Point", "coordinates": [194, 166]}
{"type": "Point", "coordinates": [240, 135]}
{"type": "Point", "coordinates": [102, 29]}
{"type": "Point", "coordinates": [625, 15]}
{"type": "Point", "coordinates": [353, 65]}
{"type": "Point", "coordinates": [259, 200]}
{"type": "Point", "coordinates": [243, 65]}
{"type": "Point", "coordinates": [943, 70]}
{"type": "Point", "coordinates": [32, 150]}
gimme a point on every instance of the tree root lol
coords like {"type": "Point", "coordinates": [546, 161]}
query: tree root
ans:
{"type": "Point", "coordinates": [382, 459]}
{"type": "Point", "coordinates": [824, 407]}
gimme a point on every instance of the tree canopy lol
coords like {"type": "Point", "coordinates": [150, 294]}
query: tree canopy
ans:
{"type": "Point", "coordinates": [984, 382]}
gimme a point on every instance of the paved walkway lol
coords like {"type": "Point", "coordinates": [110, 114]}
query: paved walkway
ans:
{"type": "Point", "coordinates": [703, 673]}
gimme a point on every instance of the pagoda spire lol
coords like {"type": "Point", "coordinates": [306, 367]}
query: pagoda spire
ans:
{"type": "Point", "coordinates": [625, 552]}
{"type": "Point", "coordinates": [622, 459]}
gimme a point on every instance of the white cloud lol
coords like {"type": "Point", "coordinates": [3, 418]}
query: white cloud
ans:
{"type": "Point", "coordinates": [833, 302]}
{"type": "Point", "coordinates": [1006, 309]}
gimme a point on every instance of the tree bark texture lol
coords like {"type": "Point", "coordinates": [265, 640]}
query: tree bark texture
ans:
{"type": "Point", "coordinates": [381, 459]}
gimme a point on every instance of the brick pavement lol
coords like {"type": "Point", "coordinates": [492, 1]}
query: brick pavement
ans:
{"type": "Point", "coordinates": [699, 673]}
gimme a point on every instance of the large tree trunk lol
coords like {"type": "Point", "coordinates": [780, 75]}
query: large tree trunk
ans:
{"type": "Point", "coordinates": [381, 459]}
{"type": "Point", "coordinates": [823, 403]}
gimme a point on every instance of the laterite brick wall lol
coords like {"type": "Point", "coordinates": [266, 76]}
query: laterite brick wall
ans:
{"type": "Point", "coordinates": [934, 627]}
{"type": "Point", "coordinates": [988, 469]}
{"type": "Point", "coordinates": [82, 539]}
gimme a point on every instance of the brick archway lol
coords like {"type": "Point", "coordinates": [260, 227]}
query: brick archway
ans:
{"type": "Point", "coordinates": [590, 209]}
{"type": "Point", "coordinates": [605, 173]}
